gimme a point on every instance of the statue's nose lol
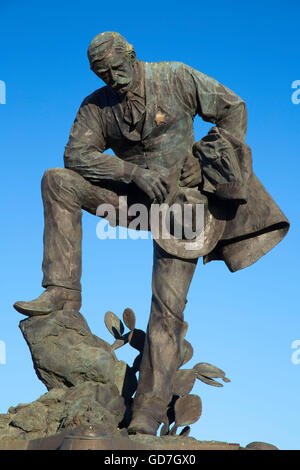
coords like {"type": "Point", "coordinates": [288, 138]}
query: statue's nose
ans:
{"type": "Point", "coordinates": [112, 77]}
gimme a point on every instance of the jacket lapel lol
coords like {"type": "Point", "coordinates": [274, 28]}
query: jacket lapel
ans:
{"type": "Point", "coordinates": [124, 127]}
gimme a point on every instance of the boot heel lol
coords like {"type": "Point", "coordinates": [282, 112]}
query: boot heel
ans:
{"type": "Point", "coordinates": [72, 305]}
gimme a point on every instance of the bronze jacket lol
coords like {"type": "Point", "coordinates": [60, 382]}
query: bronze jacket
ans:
{"type": "Point", "coordinates": [175, 93]}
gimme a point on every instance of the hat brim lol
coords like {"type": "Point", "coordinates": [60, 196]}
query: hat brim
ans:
{"type": "Point", "coordinates": [207, 233]}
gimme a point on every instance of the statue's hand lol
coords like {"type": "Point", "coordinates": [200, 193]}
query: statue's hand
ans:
{"type": "Point", "coordinates": [191, 174]}
{"type": "Point", "coordinates": [154, 184]}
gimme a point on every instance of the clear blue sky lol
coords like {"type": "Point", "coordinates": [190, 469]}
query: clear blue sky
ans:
{"type": "Point", "coordinates": [245, 322]}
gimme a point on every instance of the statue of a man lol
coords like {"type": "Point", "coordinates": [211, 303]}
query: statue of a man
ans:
{"type": "Point", "coordinates": [145, 115]}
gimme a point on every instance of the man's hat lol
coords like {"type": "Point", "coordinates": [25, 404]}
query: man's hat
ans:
{"type": "Point", "coordinates": [188, 225]}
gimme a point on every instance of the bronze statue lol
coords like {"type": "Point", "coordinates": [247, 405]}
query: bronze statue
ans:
{"type": "Point", "coordinates": [145, 115]}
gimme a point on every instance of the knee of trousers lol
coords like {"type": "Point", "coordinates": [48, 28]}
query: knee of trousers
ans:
{"type": "Point", "coordinates": [54, 177]}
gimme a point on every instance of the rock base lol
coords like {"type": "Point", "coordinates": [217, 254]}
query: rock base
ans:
{"type": "Point", "coordinates": [88, 403]}
{"type": "Point", "coordinates": [121, 441]}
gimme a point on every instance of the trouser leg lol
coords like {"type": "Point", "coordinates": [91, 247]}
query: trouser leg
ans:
{"type": "Point", "coordinates": [162, 354]}
{"type": "Point", "coordinates": [64, 194]}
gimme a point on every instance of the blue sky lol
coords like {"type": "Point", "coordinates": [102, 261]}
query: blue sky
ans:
{"type": "Point", "coordinates": [245, 322]}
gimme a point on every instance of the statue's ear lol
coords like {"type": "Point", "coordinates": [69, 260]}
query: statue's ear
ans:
{"type": "Point", "coordinates": [133, 56]}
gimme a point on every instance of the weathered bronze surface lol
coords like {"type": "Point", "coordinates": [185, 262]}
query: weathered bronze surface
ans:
{"type": "Point", "coordinates": [145, 115]}
{"type": "Point", "coordinates": [63, 441]}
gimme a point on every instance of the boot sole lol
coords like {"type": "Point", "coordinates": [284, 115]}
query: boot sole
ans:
{"type": "Point", "coordinates": [67, 305]}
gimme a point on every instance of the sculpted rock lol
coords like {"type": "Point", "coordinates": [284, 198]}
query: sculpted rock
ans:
{"type": "Point", "coordinates": [98, 404]}
{"type": "Point", "coordinates": [85, 404]}
{"type": "Point", "coordinates": [37, 419]}
{"type": "Point", "coordinates": [65, 334]}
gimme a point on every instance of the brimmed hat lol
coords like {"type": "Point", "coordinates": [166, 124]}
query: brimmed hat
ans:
{"type": "Point", "coordinates": [188, 225]}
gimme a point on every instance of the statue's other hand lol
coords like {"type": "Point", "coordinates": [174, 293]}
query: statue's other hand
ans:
{"type": "Point", "coordinates": [191, 174]}
{"type": "Point", "coordinates": [154, 184]}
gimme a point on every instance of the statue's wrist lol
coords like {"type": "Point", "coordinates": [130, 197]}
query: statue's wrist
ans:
{"type": "Point", "coordinates": [129, 172]}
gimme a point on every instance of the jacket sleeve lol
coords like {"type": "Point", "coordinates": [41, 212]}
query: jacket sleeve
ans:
{"type": "Point", "coordinates": [84, 150]}
{"type": "Point", "coordinates": [225, 158]}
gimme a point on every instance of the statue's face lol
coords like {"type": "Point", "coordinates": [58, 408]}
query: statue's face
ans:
{"type": "Point", "coordinates": [116, 70]}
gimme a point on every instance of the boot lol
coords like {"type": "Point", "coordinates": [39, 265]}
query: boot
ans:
{"type": "Point", "coordinates": [52, 299]}
{"type": "Point", "coordinates": [143, 424]}
{"type": "Point", "coordinates": [147, 416]}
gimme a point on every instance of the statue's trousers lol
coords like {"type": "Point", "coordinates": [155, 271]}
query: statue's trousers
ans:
{"type": "Point", "coordinates": [65, 193]}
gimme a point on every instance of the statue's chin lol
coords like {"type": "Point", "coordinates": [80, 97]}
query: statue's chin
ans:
{"type": "Point", "coordinates": [121, 89]}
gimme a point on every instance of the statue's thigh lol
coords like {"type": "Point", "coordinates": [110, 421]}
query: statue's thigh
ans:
{"type": "Point", "coordinates": [92, 196]}
{"type": "Point", "coordinates": [120, 196]}
{"type": "Point", "coordinates": [70, 189]}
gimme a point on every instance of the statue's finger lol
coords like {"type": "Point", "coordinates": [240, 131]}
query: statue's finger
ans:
{"type": "Point", "coordinates": [158, 194]}
{"type": "Point", "coordinates": [149, 191]}
{"type": "Point", "coordinates": [187, 173]}
{"type": "Point", "coordinates": [163, 190]}
{"type": "Point", "coordinates": [189, 180]}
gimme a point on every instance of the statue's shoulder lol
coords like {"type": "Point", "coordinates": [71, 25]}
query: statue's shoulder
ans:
{"type": "Point", "coordinates": [175, 74]}
{"type": "Point", "coordinates": [100, 97]}
{"type": "Point", "coordinates": [165, 67]}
